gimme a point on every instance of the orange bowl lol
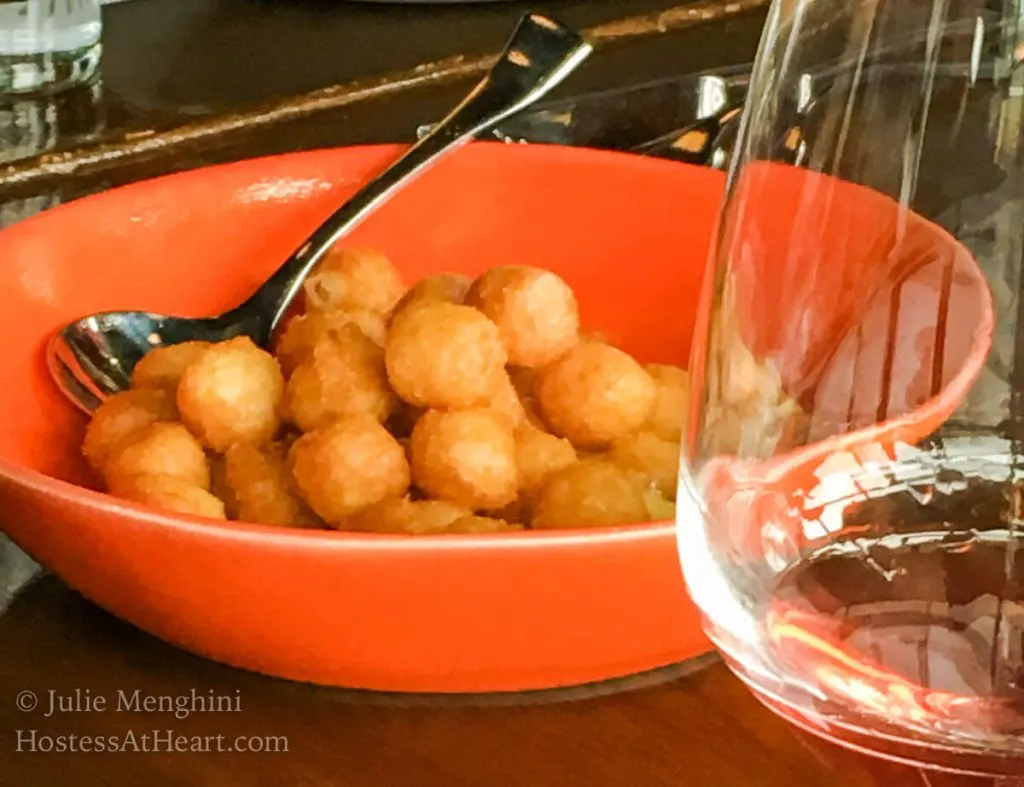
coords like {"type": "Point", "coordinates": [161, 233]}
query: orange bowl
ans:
{"type": "Point", "coordinates": [515, 611]}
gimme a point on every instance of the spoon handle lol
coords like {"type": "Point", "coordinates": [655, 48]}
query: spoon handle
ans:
{"type": "Point", "coordinates": [698, 142]}
{"type": "Point", "coordinates": [540, 54]}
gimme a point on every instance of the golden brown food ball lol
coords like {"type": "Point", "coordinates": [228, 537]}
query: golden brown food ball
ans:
{"type": "Point", "coordinates": [649, 455]}
{"type": "Point", "coordinates": [467, 457]}
{"type": "Point", "coordinates": [594, 395]}
{"type": "Point", "coordinates": [302, 333]}
{"type": "Point", "coordinates": [232, 394]}
{"type": "Point", "coordinates": [171, 493]}
{"type": "Point", "coordinates": [120, 416]}
{"type": "Point", "coordinates": [262, 484]}
{"type": "Point", "coordinates": [402, 515]}
{"type": "Point", "coordinates": [348, 466]}
{"type": "Point", "coordinates": [481, 524]}
{"type": "Point", "coordinates": [219, 486]}
{"type": "Point", "coordinates": [443, 355]}
{"type": "Point", "coordinates": [671, 401]}
{"type": "Point", "coordinates": [659, 507]}
{"type": "Point", "coordinates": [164, 449]}
{"type": "Point", "coordinates": [424, 517]}
{"type": "Point", "coordinates": [523, 380]}
{"type": "Point", "coordinates": [344, 376]}
{"type": "Point", "coordinates": [162, 367]}
{"type": "Point", "coordinates": [348, 279]}
{"type": "Point", "coordinates": [432, 516]}
{"type": "Point", "coordinates": [589, 494]}
{"type": "Point", "coordinates": [534, 309]}
{"type": "Point", "coordinates": [443, 288]}
{"type": "Point", "coordinates": [538, 455]}
{"type": "Point", "coordinates": [507, 404]}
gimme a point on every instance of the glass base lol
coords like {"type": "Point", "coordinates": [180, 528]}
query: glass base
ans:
{"type": "Point", "coordinates": [895, 745]}
{"type": "Point", "coordinates": [48, 72]}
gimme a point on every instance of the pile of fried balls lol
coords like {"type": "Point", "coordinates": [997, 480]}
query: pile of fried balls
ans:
{"type": "Point", "coordinates": [453, 406]}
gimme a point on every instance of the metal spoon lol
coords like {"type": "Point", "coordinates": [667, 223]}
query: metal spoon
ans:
{"type": "Point", "coordinates": [93, 357]}
{"type": "Point", "coordinates": [706, 142]}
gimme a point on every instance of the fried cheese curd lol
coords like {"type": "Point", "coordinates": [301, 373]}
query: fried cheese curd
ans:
{"type": "Point", "coordinates": [305, 331]}
{"type": "Point", "coordinates": [671, 400]}
{"type": "Point", "coordinates": [445, 355]}
{"type": "Point", "coordinates": [590, 493]}
{"type": "Point", "coordinates": [348, 466]}
{"type": "Point", "coordinates": [230, 394]}
{"type": "Point", "coordinates": [594, 395]}
{"type": "Point", "coordinates": [261, 489]}
{"type": "Point", "coordinates": [535, 311]}
{"type": "Point", "coordinates": [162, 367]}
{"type": "Point", "coordinates": [160, 449]}
{"type": "Point", "coordinates": [173, 494]}
{"type": "Point", "coordinates": [465, 456]}
{"type": "Point", "coordinates": [538, 455]}
{"type": "Point", "coordinates": [120, 417]}
{"type": "Point", "coordinates": [440, 288]}
{"type": "Point", "coordinates": [354, 280]}
{"type": "Point", "coordinates": [456, 406]}
{"type": "Point", "coordinates": [651, 457]}
{"type": "Point", "coordinates": [425, 517]}
{"type": "Point", "coordinates": [343, 376]}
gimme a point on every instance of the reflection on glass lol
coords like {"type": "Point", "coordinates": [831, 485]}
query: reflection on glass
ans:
{"type": "Point", "coordinates": [48, 45]}
{"type": "Point", "coordinates": [32, 126]}
{"type": "Point", "coordinates": [855, 527]}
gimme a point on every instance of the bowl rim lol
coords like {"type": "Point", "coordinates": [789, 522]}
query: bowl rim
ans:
{"type": "Point", "coordinates": [330, 538]}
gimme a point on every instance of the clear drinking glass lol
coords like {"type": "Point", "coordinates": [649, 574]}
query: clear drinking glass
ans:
{"type": "Point", "coordinates": [48, 45]}
{"type": "Point", "coordinates": [851, 521]}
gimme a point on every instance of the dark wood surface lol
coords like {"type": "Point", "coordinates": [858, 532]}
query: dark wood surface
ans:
{"type": "Point", "coordinates": [695, 725]}
{"type": "Point", "coordinates": [174, 65]}
{"type": "Point", "coordinates": [179, 75]}
{"type": "Point", "coordinates": [86, 146]}
{"type": "Point", "coordinates": [167, 63]}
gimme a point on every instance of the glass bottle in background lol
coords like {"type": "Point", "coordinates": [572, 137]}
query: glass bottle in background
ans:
{"type": "Point", "coordinates": [37, 125]}
{"type": "Point", "coordinates": [48, 45]}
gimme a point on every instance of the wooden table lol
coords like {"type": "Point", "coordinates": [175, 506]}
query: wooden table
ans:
{"type": "Point", "coordinates": [691, 725]}
{"type": "Point", "coordinates": [179, 94]}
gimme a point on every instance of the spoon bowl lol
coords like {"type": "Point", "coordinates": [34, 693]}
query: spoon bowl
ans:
{"type": "Point", "coordinates": [93, 358]}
